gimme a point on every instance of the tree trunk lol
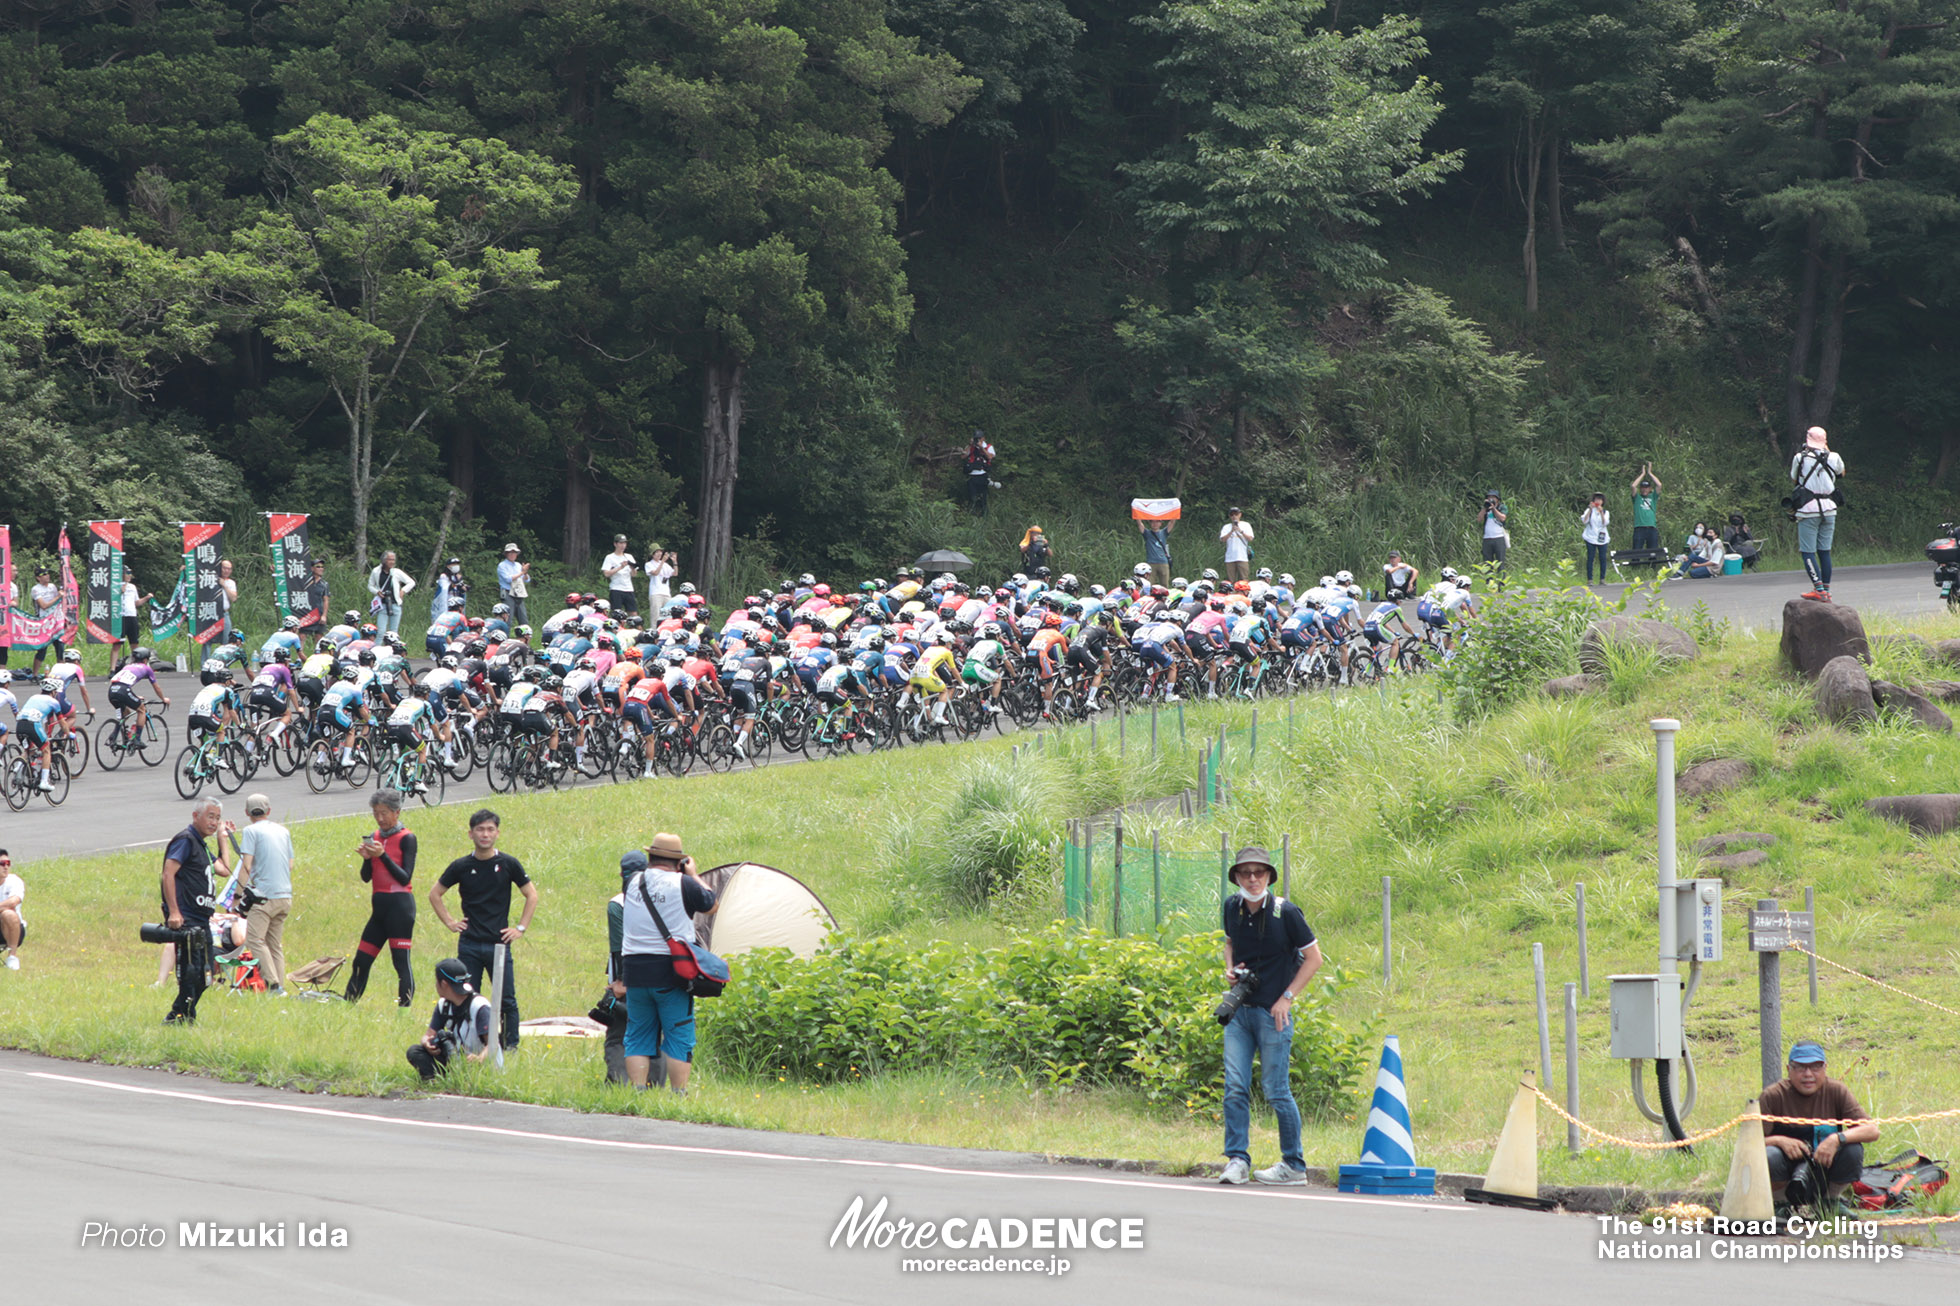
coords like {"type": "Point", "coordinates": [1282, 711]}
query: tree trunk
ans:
{"type": "Point", "coordinates": [357, 484]}
{"type": "Point", "coordinates": [462, 468]}
{"type": "Point", "coordinates": [721, 439]}
{"type": "Point", "coordinates": [1534, 161]}
{"type": "Point", "coordinates": [1555, 194]}
{"type": "Point", "coordinates": [1949, 449]}
{"type": "Point", "coordinates": [442, 538]}
{"type": "Point", "coordinates": [1797, 389]}
{"type": "Point", "coordinates": [577, 544]}
{"type": "Point", "coordinates": [1830, 351]}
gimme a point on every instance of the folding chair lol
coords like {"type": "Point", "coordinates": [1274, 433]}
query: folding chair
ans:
{"type": "Point", "coordinates": [312, 979]}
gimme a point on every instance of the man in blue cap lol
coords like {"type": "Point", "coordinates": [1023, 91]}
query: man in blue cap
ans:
{"type": "Point", "coordinates": [1827, 1154]}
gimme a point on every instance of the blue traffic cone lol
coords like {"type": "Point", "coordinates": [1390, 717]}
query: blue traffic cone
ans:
{"type": "Point", "coordinates": [1388, 1149]}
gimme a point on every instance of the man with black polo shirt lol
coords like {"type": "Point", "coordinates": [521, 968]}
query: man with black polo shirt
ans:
{"type": "Point", "coordinates": [1270, 936]}
{"type": "Point", "coordinates": [188, 895]}
{"type": "Point", "coordinates": [483, 882]}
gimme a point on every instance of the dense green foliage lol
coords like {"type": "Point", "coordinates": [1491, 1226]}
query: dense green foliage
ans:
{"type": "Point", "coordinates": [747, 274]}
{"type": "Point", "coordinates": [1057, 1008]}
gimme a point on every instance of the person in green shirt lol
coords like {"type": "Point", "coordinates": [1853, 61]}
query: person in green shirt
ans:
{"type": "Point", "coordinates": [1646, 499]}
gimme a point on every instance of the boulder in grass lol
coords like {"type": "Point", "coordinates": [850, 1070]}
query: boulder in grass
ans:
{"type": "Point", "coordinates": [1715, 845]}
{"type": "Point", "coordinates": [1574, 686]}
{"type": "Point", "coordinates": [1671, 642]}
{"type": "Point", "coordinates": [1741, 861]}
{"type": "Point", "coordinates": [1898, 698]}
{"type": "Point", "coordinates": [1947, 650]}
{"type": "Point", "coordinates": [1925, 813]}
{"type": "Point", "coordinates": [1815, 633]}
{"type": "Point", "coordinates": [1946, 691]}
{"type": "Point", "coordinates": [1844, 692]}
{"type": "Point", "coordinates": [1712, 777]}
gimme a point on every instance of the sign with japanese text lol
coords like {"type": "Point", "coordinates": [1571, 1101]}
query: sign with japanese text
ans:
{"type": "Point", "coordinates": [102, 613]}
{"type": "Point", "coordinates": [204, 544]}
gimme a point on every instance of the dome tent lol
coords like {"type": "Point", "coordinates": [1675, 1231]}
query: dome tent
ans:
{"type": "Point", "coordinates": [762, 907]}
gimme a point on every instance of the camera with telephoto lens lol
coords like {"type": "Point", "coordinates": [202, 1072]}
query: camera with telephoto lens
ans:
{"type": "Point", "coordinates": [164, 934]}
{"type": "Point", "coordinates": [445, 1044]}
{"type": "Point", "coordinates": [1244, 981]}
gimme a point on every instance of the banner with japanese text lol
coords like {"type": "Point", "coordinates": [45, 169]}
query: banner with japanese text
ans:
{"type": "Point", "coordinates": [26, 631]}
{"type": "Point", "coordinates": [292, 566]}
{"type": "Point", "coordinates": [167, 620]}
{"type": "Point", "coordinates": [204, 542]}
{"type": "Point", "coordinates": [102, 616]}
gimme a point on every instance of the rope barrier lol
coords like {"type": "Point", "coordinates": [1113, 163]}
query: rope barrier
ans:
{"type": "Point", "coordinates": [1723, 1128]}
{"type": "Point", "coordinates": [1798, 947]}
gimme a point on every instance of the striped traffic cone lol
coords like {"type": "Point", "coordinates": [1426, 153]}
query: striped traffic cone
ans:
{"type": "Point", "coordinates": [1388, 1149]}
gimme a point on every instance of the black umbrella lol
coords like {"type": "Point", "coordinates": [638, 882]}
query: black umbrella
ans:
{"type": "Point", "coordinates": [944, 560]}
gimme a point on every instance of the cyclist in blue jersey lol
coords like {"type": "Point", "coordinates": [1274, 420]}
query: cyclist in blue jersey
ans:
{"type": "Point", "coordinates": [36, 721]}
{"type": "Point", "coordinates": [286, 637]}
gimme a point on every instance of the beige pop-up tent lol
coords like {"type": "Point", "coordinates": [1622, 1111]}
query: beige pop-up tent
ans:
{"type": "Point", "coordinates": [762, 907]}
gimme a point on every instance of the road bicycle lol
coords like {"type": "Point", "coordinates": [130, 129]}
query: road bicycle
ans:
{"type": "Point", "coordinates": [140, 732]}
{"type": "Point", "coordinates": [20, 777]}
{"type": "Point", "coordinates": [212, 758]}
{"type": "Point", "coordinates": [413, 771]}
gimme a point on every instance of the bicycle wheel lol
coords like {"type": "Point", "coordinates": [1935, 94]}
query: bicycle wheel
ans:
{"type": "Point", "coordinates": [108, 747]}
{"type": "Point", "coordinates": [462, 752]}
{"type": "Point", "coordinates": [718, 749]}
{"type": "Point", "coordinates": [152, 742]}
{"type": "Point", "coordinates": [16, 780]}
{"type": "Point", "coordinates": [75, 749]}
{"type": "Point", "coordinates": [288, 752]}
{"type": "Point", "coordinates": [189, 773]}
{"type": "Point", "coordinates": [502, 768]}
{"type": "Point", "coordinates": [57, 791]}
{"type": "Point", "coordinates": [760, 743]}
{"type": "Point", "coordinates": [598, 747]}
{"type": "Point", "coordinates": [361, 769]}
{"type": "Point", "coordinates": [321, 766]}
{"type": "Point", "coordinates": [430, 782]}
{"type": "Point", "coordinates": [234, 766]}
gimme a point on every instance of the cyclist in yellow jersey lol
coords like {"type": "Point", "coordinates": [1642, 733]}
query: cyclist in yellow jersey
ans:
{"type": "Point", "coordinates": [935, 673]}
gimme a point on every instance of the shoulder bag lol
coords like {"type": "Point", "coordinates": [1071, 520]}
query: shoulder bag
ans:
{"type": "Point", "coordinates": [703, 973]}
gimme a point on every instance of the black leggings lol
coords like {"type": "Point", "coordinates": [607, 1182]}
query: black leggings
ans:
{"type": "Point", "coordinates": [391, 923]}
{"type": "Point", "coordinates": [193, 969]}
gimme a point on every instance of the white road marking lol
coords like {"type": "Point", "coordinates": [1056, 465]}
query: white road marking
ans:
{"type": "Point", "coordinates": [623, 1144]}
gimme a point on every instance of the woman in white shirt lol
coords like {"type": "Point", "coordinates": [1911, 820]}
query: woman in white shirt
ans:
{"type": "Point", "coordinates": [1595, 528]}
{"type": "Point", "coordinates": [660, 575]}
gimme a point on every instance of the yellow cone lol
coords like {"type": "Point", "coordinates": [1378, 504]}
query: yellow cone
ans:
{"type": "Point", "coordinates": [1514, 1170]}
{"type": "Point", "coordinates": [1746, 1196]}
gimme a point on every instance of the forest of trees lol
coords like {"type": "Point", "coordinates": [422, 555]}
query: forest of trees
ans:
{"type": "Point", "coordinates": [744, 275]}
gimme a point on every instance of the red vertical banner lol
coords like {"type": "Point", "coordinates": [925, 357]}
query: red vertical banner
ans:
{"type": "Point", "coordinates": [71, 599]}
{"type": "Point", "coordinates": [204, 542]}
{"type": "Point", "coordinates": [7, 594]}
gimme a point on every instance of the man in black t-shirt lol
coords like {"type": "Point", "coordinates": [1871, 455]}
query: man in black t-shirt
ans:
{"type": "Point", "coordinates": [1271, 937]}
{"type": "Point", "coordinates": [483, 882]}
{"type": "Point", "coordinates": [188, 895]}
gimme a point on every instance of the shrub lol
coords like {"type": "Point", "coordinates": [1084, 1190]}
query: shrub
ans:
{"type": "Point", "coordinates": [1054, 1008]}
{"type": "Point", "coordinates": [1524, 634]}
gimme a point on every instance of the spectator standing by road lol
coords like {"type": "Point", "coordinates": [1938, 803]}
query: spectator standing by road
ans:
{"type": "Point", "coordinates": [979, 464]}
{"type": "Point", "coordinates": [227, 600]}
{"type": "Point", "coordinates": [514, 585]}
{"type": "Point", "coordinates": [661, 570]}
{"type": "Point", "coordinates": [388, 866]}
{"type": "Point", "coordinates": [1236, 535]}
{"type": "Point", "coordinates": [189, 894]}
{"type": "Point", "coordinates": [1035, 550]}
{"type": "Point", "coordinates": [659, 1009]}
{"type": "Point", "coordinates": [450, 590]}
{"type": "Point", "coordinates": [13, 926]}
{"type": "Point", "coordinates": [265, 868]}
{"type": "Point", "coordinates": [1496, 539]}
{"type": "Point", "coordinates": [1815, 473]}
{"type": "Point", "coordinates": [1271, 937]}
{"type": "Point", "coordinates": [132, 600]}
{"type": "Point", "coordinates": [613, 1005]}
{"type": "Point", "coordinates": [617, 567]}
{"type": "Point", "coordinates": [1646, 508]}
{"type": "Point", "coordinates": [46, 596]}
{"type": "Point", "coordinates": [1157, 549]}
{"type": "Point", "coordinates": [1798, 1153]}
{"type": "Point", "coordinates": [1595, 528]}
{"type": "Point", "coordinates": [483, 880]}
{"type": "Point", "coordinates": [389, 585]}
{"type": "Point", "coordinates": [318, 596]}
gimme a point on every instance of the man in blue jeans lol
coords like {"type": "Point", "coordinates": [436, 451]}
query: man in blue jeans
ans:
{"type": "Point", "coordinates": [1270, 936]}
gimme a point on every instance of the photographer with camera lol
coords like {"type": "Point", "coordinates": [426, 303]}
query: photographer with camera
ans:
{"type": "Point", "coordinates": [1496, 539]}
{"type": "Point", "coordinates": [189, 894]}
{"type": "Point", "coordinates": [1270, 955]}
{"type": "Point", "coordinates": [1814, 502]}
{"type": "Point", "coordinates": [460, 1023]}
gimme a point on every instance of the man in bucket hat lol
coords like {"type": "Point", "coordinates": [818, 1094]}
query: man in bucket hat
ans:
{"type": "Point", "coordinates": [1270, 955]}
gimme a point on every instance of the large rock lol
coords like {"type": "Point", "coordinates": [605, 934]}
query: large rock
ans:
{"type": "Point", "coordinates": [1670, 642]}
{"type": "Point", "coordinates": [1815, 633]}
{"type": "Point", "coordinates": [1712, 777]}
{"type": "Point", "coordinates": [1573, 686]}
{"type": "Point", "coordinates": [1738, 861]}
{"type": "Point", "coordinates": [1716, 844]}
{"type": "Point", "coordinates": [1946, 691]}
{"type": "Point", "coordinates": [1947, 650]}
{"type": "Point", "coordinates": [1844, 692]}
{"type": "Point", "coordinates": [1898, 698]}
{"type": "Point", "coordinates": [1925, 813]}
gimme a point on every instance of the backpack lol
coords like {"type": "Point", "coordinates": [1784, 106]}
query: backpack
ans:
{"type": "Point", "coordinates": [1898, 1182]}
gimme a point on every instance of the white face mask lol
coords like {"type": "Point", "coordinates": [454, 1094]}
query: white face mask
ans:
{"type": "Point", "coordinates": [1250, 894]}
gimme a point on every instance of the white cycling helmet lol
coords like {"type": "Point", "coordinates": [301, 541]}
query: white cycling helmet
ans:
{"type": "Point", "coordinates": [1354, 591]}
{"type": "Point", "coordinates": [1141, 569]}
{"type": "Point", "coordinates": [1448, 574]}
{"type": "Point", "coordinates": [1327, 582]}
{"type": "Point", "coordinates": [1344, 578]}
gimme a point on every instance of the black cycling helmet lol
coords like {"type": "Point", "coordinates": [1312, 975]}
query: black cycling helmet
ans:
{"type": "Point", "coordinates": [141, 655]}
{"type": "Point", "coordinates": [455, 974]}
{"type": "Point", "coordinates": [367, 657]}
{"type": "Point", "coordinates": [282, 654]}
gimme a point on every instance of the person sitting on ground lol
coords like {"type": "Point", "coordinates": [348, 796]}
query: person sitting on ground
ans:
{"type": "Point", "coordinates": [1739, 540]}
{"type": "Point", "coordinates": [12, 925]}
{"type": "Point", "coordinates": [460, 1023]}
{"type": "Point", "coordinates": [1831, 1140]}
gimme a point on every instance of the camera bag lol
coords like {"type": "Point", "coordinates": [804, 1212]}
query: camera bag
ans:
{"type": "Point", "coordinates": [703, 973]}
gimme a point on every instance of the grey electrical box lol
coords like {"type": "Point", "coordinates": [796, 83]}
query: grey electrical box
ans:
{"type": "Point", "coordinates": [1698, 919]}
{"type": "Point", "coordinates": [1647, 1016]}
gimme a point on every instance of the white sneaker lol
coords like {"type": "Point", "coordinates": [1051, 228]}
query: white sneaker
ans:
{"type": "Point", "coordinates": [1173, 698]}
{"type": "Point", "coordinates": [1281, 1173]}
{"type": "Point", "coordinates": [1237, 1171]}
{"type": "Point", "coordinates": [13, 962]}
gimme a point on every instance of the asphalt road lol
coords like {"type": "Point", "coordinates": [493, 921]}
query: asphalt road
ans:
{"type": "Point", "coordinates": [447, 1199]}
{"type": "Point", "coordinates": [137, 807]}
